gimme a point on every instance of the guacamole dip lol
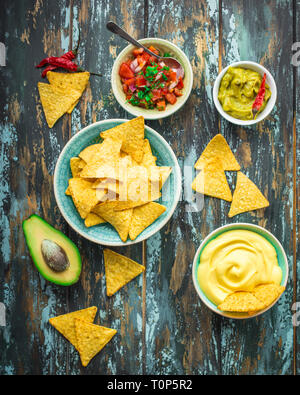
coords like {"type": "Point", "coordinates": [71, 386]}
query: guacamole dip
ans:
{"type": "Point", "coordinates": [238, 90]}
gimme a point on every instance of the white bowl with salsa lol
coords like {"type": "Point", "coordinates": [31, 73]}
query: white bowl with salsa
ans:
{"type": "Point", "coordinates": [237, 257]}
{"type": "Point", "coordinates": [144, 86]}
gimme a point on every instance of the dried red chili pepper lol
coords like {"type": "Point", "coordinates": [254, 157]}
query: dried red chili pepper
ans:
{"type": "Point", "coordinates": [258, 102]}
{"type": "Point", "coordinates": [48, 68]}
{"type": "Point", "coordinates": [60, 62]}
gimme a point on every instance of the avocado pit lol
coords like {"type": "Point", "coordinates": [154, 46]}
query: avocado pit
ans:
{"type": "Point", "coordinates": [54, 256]}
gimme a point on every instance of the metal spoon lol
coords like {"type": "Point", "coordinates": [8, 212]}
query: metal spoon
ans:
{"type": "Point", "coordinates": [170, 62]}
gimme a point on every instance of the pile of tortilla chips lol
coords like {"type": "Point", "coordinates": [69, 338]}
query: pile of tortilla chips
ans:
{"type": "Point", "coordinates": [62, 94]}
{"type": "Point", "coordinates": [117, 181]}
{"type": "Point", "coordinates": [86, 337]}
{"type": "Point", "coordinates": [119, 270]}
{"type": "Point", "coordinates": [211, 180]}
{"type": "Point", "coordinates": [262, 296]}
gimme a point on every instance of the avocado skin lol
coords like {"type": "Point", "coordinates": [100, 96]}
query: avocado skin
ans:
{"type": "Point", "coordinates": [52, 277]}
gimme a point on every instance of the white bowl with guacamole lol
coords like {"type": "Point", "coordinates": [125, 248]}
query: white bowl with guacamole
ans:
{"type": "Point", "coordinates": [236, 88]}
{"type": "Point", "coordinates": [238, 258]}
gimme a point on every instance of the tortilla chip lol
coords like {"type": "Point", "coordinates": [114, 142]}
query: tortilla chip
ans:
{"type": "Point", "coordinates": [70, 110]}
{"type": "Point", "coordinates": [66, 326]}
{"type": "Point", "coordinates": [108, 151]}
{"type": "Point", "coordinates": [212, 181]}
{"type": "Point", "coordinates": [267, 293]}
{"type": "Point", "coordinates": [69, 81]}
{"type": "Point", "coordinates": [119, 270]}
{"type": "Point", "coordinates": [144, 216]}
{"type": "Point", "coordinates": [84, 196]}
{"type": "Point", "coordinates": [91, 339]}
{"type": "Point", "coordinates": [242, 302]}
{"type": "Point", "coordinates": [68, 192]}
{"type": "Point", "coordinates": [93, 219]}
{"type": "Point", "coordinates": [246, 196]}
{"type": "Point", "coordinates": [131, 134]}
{"type": "Point", "coordinates": [164, 172]}
{"type": "Point", "coordinates": [76, 164]}
{"type": "Point", "coordinates": [218, 147]}
{"type": "Point", "coordinates": [119, 220]}
{"type": "Point", "coordinates": [148, 159]}
{"type": "Point", "coordinates": [55, 103]}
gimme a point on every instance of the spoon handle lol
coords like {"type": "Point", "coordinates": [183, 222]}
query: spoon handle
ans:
{"type": "Point", "coordinates": [114, 28]}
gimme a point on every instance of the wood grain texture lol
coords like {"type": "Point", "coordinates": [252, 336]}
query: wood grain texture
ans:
{"type": "Point", "coordinates": [162, 326]}
{"type": "Point", "coordinates": [263, 34]}
{"type": "Point", "coordinates": [296, 194]}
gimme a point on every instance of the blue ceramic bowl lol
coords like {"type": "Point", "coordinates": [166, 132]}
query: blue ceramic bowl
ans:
{"type": "Point", "coordinates": [281, 256]}
{"type": "Point", "coordinates": [105, 234]}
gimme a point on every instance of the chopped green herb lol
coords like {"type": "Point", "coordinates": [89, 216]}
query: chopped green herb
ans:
{"type": "Point", "coordinates": [167, 55]}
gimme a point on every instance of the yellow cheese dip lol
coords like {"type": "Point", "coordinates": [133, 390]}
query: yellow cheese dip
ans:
{"type": "Point", "coordinates": [237, 260]}
{"type": "Point", "coordinates": [238, 90]}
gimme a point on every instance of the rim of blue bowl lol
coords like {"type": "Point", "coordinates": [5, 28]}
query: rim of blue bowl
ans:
{"type": "Point", "coordinates": [217, 232]}
{"type": "Point", "coordinates": [177, 187]}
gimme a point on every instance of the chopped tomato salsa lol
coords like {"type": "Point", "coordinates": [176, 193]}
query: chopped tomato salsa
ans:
{"type": "Point", "coordinates": [149, 83]}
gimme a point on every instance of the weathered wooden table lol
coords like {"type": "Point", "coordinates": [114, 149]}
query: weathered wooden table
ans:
{"type": "Point", "coordinates": [163, 328]}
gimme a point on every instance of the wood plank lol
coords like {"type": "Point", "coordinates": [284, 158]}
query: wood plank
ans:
{"type": "Point", "coordinates": [264, 34]}
{"type": "Point", "coordinates": [182, 335]}
{"type": "Point", "coordinates": [296, 206]}
{"type": "Point", "coordinates": [28, 155]}
{"type": "Point", "coordinates": [123, 311]}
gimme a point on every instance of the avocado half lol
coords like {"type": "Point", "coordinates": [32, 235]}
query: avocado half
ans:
{"type": "Point", "coordinates": [41, 238]}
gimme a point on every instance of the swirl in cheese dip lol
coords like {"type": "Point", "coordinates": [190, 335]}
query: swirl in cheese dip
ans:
{"type": "Point", "coordinates": [237, 260]}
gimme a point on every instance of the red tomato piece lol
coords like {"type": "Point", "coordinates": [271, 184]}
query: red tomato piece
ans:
{"type": "Point", "coordinates": [125, 71]}
{"type": "Point", "coordinates": [130, 81]}
{"type": "Point", "coordinates": [171, 98]}
{"type": "Point", "coordinates": [173, 76]}
{"type": "Point", "coordinates": [146, 56]}
{"type": "Point", "coordinates": [137, 52]}
{"type": "Point", "coordinates": [140, 80]}
{"type": "Point", "coordinates": [154, 50]}
{"type": "Point", "coordinates": [157, 94]}
{"type": "Point", "coordinates": [125, 88]}
{"type": "Point", "coordinates": [177, 92]}
{"type": "Point", "coordinates": [161, 105]}
{"type": "Point", "coordinates": [180, 83]}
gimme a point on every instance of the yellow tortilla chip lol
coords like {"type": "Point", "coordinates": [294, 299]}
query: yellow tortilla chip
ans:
{"type": "Point", "coordinates": [119, 220]}
{"type": "Point", "coordinates": [242, 302]}
{"type": "Point", "coordinates": [212, 181]}
{"type": "Point", "coordinates": [246, 196]}
{"type": "Point", "coordinates": [69, 81]}
{"type": "Point", "coordinates": [67, 192]}
{"type": "Point", "coordinates": [131, 134]}
{"type": "Point", "coordinates": [93, 219]}
{"type": "Point", "coordinates": [76, 164]}
{"type": "Point", "coordinates": [108, 151]}
{"type": "Point", "coordinates": [72, 107]}
{"type": "Point", "coordinates": [55, 103]}
{"type": "Point", "coordinates": [144, 216]}
{"type": "Point", "coordinates": [91, 339]}
{"type": "Point", "coordinates": [148, 159]}
{"type": "Point", "coordinates": [267, 293]}
{"type": "Point", "coordinates": [66, 326]}
{"type": "Point", "coordinates": [218, 147]}
{"type": "Point", "coordinates": [83, 195]}
{"type": "Point", "coordinates": [119, 270]}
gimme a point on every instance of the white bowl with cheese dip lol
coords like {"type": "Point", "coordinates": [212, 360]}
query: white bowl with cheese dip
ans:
{"type": "Point", "coordinates": [259, 255]}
